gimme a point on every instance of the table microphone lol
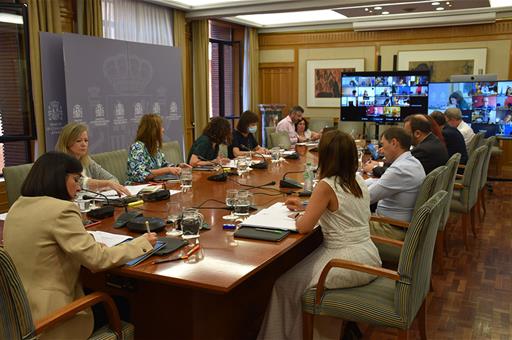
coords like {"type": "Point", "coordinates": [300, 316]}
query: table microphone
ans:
{"type": "Point", "coordinates": [290, 183]}
{"type": "Point", "coordinates": [103, 212]}
{"type": "Point", "coordinates": [262, 165]}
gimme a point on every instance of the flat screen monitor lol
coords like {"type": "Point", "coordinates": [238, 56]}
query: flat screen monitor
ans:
{"type": "Point", "coordinates": [480, 102]}
{"type": "Point", "coordinates": [383, 96]}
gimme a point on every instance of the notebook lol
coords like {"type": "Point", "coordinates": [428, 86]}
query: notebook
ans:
{"type": "Point", "coordinates": [274, 217]}
{"type": "Point", "coordinates": [109, 239]}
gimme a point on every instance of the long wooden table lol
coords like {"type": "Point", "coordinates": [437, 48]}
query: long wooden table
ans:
{"type": "Point", "coordinates": [222, 292]}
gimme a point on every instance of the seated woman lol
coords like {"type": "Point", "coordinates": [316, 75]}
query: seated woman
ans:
{"type": "Point", "coordinates": [48, 243]}
{"type": "Point", "coordinates": [303, 131]}
{"type": "Point", "coordinates": [243, 139]}
{"type": "Point", "coordinates": [205, 150]}
{"type": "Point", "coordinates": [340, 204]}
{"type": "Point", "coordinates": [74, 140]}
{"type": "Point", "coordinates": [145, 160]}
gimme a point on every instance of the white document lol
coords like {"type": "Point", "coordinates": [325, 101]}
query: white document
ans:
{"type": "Point", "coordinates": [3, 216]}
{"type": "Point", "coordinates": [133, 189]}
{"type": "Point", "coordinates": [109, 239]}
{"type": "Point", "coordinates": [273, 217]}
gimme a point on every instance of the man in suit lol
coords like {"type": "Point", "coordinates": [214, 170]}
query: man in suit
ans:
{"type": "Point", "coordinates": [452, 136]}
{"type": "Point", "coordinates": [428, 149]}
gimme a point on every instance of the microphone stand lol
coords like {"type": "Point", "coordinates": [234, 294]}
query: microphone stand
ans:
{"type": "Point", "coordinates": [262, 165]}
{"type": "Point", "coordinates": [290, 183]}
{"type": "Point", "coordinates": [103, 212]}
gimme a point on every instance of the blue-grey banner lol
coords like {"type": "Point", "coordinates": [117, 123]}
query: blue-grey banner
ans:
{"type": "Point", "coordinates": [111, 84]}
{"type": "Point", "coordinates": [54, 87]}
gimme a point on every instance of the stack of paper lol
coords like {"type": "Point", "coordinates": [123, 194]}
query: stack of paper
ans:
{"type": "Point", "coordinates": [273, 217]}
{"type": "Point", "coordinates": [109, 239]}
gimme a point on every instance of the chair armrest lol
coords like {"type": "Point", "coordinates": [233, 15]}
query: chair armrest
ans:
{"type": "Point", "coordinates": [389, 220]}
{"type": "Point", "coordinates": [389, 241]}
{"type": "Point", "coordinates": [68, 311]}
{"type": "Point", "coordinates": [339, 263]}
{"type": "Point", "coordinates": [458, 186]}
{"type": "Point", "coordinates": [459, 176]}
{"type": "Point", "coordinates": [462, 166]}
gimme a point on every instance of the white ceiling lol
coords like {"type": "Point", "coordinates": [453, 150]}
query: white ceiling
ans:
{"type": "Point", "coordinates": [287, 15]}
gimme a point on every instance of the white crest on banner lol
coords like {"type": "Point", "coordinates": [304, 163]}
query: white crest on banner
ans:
{"type": "Point", "coordinates": [156, 107]}
{"type": "Point", "coordinates": [55, 111]}
{"type": "Point", "coordinates": [99, 110]}
{"type": "Point", "coordinates": [139, 111]}
{"type": "Point", "coordinates": [78, 112]}
{"type": "Point", "coordinates": [119, 109]}
{"type": "Point", "coordinates": [173, 108]}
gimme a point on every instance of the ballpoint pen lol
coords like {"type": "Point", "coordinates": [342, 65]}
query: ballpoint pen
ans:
{"type": "Point", "coordinates": [147, 227]}
{"type": "Point", "coordinates": [186, 256]}
{"type": "Point", "coordinates": [269, 230]}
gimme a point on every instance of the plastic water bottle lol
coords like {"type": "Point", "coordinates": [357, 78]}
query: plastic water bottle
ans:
{"type": "Point", "coordinates": [308, 177]}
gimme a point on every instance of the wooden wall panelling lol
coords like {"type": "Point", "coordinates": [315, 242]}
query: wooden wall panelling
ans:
{"type": "Point", "coordinates": [278, 84]}
{"type": "Point", "coordinates": [68, 15]}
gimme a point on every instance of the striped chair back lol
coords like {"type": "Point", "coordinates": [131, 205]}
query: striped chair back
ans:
{"type": "Point", "coordinates": [281, 139]}
{"type": "Point", "coordinates": [173, 152]}
{"type": "Point", "coordinates": [472, 173]}
{"type": "Point", "coordinates": [431, 184]}
{"type": "Point", "coordinates": [489, 142]}
{"type": "Point", "coordinates": [114, 162]}
{"type": "Point", "coordinates": [451, 172]}
{"type": "Point", "coordinates": [475, 142]}
{"type": "Point", "coordinates": [415, 263]}
{"type": "Point", "coordinates": [15, 315]}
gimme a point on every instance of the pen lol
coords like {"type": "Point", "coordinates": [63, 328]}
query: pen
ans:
{"type": "Point", "coordinates": [147, 227]}
{"type": "Point", "coordinates": [136, 203]}
{"type": "Point", "coordinates": [270, 231]}
{"type": "Point", "coordinates": [191, 251]}
{"type": "Point", "coordinates": [92, 224]}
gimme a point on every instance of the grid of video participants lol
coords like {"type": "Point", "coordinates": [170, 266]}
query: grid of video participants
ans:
{"type": "Point", "coordinates": [479, 102]}
{"type": "Point", "coordinates": [385, 96]}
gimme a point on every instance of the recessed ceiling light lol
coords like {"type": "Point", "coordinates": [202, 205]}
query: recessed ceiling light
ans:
{"type": "Point", "coordinates": [196, 3]}
{"type": "Point", "coordinates": [292, 17]}
{"type": "Point", "coordinates": [378, 8]}
{"type": "Point", "coordinates": [385, 12]}
{"type": "Point", "coordinates": [366, 9]}
{"type": "Point", "coordinates": [436, 3]}
{"type": "Point", "coordinates": [440, 9]}
{"type": "Point", "coordinates": [500, 3]}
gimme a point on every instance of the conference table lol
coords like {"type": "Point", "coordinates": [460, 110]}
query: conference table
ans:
{"type": "Point", "coordinates": [220, 292]}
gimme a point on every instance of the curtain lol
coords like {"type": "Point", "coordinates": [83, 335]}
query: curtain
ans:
{"type": "Point", "coordinates": [180, 40]}
{"type": "Point", "coordinates": [251, 70]}
{"type": "Point", "coordinates": [89, 17]}
{"type": "Point", "coordinates": [200, 61]}
{"type": "Point", "coordinates": [137, 21]}
{"type": "Point", "coordinates": [43, 16]}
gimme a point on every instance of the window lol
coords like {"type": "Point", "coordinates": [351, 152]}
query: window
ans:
{"type": "Point", "coordinates": [17, 124]}
{"type": "Point", "coordinates": [225, 56]}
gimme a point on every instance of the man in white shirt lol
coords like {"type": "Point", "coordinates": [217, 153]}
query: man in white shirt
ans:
{"type": "Point", "coordinates": [454, 119]}
{"type": "Point", "coordinates": [287, 124]}
{"type": "Point", "coordinates": [396, 190]}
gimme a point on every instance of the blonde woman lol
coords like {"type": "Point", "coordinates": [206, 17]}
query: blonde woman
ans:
{"type": "Point", "coordinates": [145, 159]}
{"type": "Point", "coordinates": [74, 141]}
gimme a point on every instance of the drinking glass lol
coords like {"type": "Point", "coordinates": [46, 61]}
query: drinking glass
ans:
{"type": "Point", "coordinates": [173, 216]}
{"type": "Point", "coordinates": [276, 154]}
{"type": "Point", "coordinates": [191, 222]}
{"type": "Point", "coordinates": [242, 203]}
{"type": "Point", "coordinates": [186, 179]}
{"type": "Point", "coordinates": [241, 165]}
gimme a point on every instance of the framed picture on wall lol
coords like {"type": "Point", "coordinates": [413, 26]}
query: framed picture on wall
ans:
{"type": "Point", "coordinates": [444, 63]}
{"type": "Point", "coordinates": [324, 80]}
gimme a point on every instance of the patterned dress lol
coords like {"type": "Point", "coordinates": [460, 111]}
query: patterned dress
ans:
{"type": "Point", "coordinates": [346, 236]}
{"type": "Point", "coordinates": [140, 162]}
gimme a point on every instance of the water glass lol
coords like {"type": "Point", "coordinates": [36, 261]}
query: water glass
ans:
{"type": "Point", "coordinates": [186, 179]}
{"type": "Point", "coordinates": [83, 205]}
{"type": "Point", "coordinates": [173, 216]}
{"type": "Point", "coordinates": [241, 165]}
{"type": "Point", "coordinates": [242, 203]}
{"type": "Point", "coordinates": [231, 195]}
{"type": "Point", "coordinates": [191, 222]}
{"type": "Point", "coordinates": [276, 154]}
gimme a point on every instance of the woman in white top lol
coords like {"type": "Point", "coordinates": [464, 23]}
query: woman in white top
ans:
{"type": "Point", "coordinates": [74, 140]}
{"type": "Point", "coordinates": [303, 131]}
{"type": "Point", "coordinates": [340, 204]}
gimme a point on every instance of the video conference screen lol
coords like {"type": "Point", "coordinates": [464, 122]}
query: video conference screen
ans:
{"type": "Point", "coordinates": [485, 105]}
{"type": "Point", "coordinates": [383, 96]}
